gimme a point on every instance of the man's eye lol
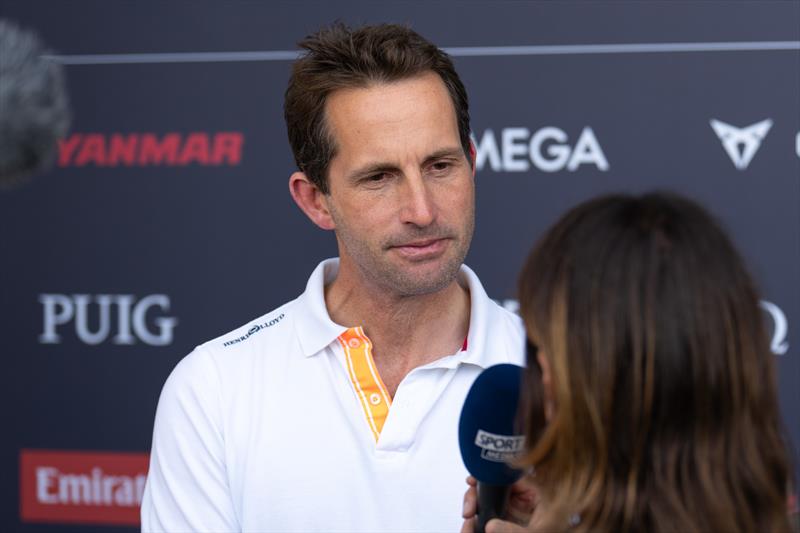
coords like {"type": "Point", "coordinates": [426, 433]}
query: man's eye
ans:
{"type": "Point", "coordinates": [440, 166]}
{"type": "Point", "coordinates": [377, 177]}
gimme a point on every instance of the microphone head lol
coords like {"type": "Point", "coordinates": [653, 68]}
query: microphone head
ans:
{"type": "Point", "coordinates": [488, 432]}
{"type": "Point", "coordinates": [34, 111]}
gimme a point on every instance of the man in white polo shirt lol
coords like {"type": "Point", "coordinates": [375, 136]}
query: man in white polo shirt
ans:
{"type": "Point", "coordinates": [339, 410]}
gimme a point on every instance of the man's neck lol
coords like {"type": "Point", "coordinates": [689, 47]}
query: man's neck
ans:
{"type": "Point", "coordinates": [406, 331]}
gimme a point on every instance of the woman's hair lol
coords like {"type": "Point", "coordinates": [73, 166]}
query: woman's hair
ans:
{"type": "Point", "coordinates": [665, 410]}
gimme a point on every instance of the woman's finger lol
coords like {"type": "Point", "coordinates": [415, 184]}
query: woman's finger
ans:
{"type": "Point", "coordinates": [501, 526]}
{"type": "Point", "coordinates": [470, 504]}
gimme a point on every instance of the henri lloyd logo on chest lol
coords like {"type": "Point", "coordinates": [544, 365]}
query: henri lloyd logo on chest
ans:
{"type": "Point", "coordinates": [499, 448]}
{"type": "Point", "coordinates": [253, 330]}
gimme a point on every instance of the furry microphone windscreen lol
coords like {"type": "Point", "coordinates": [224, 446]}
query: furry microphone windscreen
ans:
{"type": "Point", "coordinates": [34, 108]}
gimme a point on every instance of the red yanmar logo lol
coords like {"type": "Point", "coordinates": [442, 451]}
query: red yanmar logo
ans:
{"type": "Point", "coordinates": [81, 487]}
{"type": "Point", "coordinates": [150, 149]}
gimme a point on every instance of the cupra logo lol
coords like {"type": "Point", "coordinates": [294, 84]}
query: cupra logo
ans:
{"type": "Point", "coordinates": [741, 144]}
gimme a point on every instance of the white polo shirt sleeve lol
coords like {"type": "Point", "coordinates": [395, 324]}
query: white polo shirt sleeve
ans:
{"type": "Point", "coordinates": [187, 487]}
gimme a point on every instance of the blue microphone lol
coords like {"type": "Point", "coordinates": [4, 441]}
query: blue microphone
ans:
{"type": "Point", "coordinates": [489, 435]}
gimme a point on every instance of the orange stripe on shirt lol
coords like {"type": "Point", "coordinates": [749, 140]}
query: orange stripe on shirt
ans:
{"type": "Point", "coordinates": [367, 383]}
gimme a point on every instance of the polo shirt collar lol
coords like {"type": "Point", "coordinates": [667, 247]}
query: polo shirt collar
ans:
{"type": "Point", "coordinates": [487, 321]}
{"type": "Point", "coordinates": [316, 330]}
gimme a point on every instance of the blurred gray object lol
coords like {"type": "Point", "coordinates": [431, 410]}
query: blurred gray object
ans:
{"type": "Point", "coordinates": [34, 108]}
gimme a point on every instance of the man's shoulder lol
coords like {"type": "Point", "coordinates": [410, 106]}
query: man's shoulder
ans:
{"type": "Point", "coordinates": [276, 325]}
{"type": "Point", "coordinates": [255, 333]}
{"type": "Point", "coordinates": [233, 354]}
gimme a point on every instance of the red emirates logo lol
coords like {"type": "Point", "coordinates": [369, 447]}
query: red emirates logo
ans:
{"type": "Point", "coordinates": [82, 487]}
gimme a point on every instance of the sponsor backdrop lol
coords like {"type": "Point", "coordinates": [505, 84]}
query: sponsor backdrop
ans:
{"type": "Point", "coordinates": [166, 220]}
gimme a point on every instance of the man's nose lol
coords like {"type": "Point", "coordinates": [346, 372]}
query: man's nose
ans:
{"type": "Point", "coordinates": [418, 206]}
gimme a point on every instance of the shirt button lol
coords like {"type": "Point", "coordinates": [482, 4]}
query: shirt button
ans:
{"type": "Point", "coordinates": [354, 343]}
{"type": "Point", "coordinates": [375, 398]}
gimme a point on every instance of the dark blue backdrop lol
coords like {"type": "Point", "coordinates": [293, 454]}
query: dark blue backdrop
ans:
{"type": "Point", "coordinates": [223, 243]}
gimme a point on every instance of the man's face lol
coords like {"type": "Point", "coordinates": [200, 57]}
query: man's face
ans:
{"type": "Point", "coordinates": [401, 188]}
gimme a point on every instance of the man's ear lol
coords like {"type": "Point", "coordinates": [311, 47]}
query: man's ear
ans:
{"type": "Point", "coordinates": [311, 200]}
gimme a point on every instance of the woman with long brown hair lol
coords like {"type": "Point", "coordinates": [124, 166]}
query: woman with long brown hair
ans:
{"type": "Point", "coordinates": [658, 381]}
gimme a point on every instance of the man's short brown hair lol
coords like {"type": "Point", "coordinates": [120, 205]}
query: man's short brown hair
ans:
{"type": "Point", "coordinates": [339, 57]}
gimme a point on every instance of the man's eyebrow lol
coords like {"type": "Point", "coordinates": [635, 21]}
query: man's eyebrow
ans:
{"type": "Point", "coordinates": [371, 169]}
{"type": "Point", "coordinates": [443, 154]}
{"type": "Point", "coordinates": [377, 168]}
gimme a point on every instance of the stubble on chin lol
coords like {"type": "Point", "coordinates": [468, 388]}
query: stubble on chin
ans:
{"type": "Point", "coordinates": [380, 266]}
{"type": "Point", "coordinates": [408, 279]}
{"type": "Point", "coordinates": [406, 283]}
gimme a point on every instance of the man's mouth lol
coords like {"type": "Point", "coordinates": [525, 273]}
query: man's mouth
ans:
{"type": "Point", "coordinates": [421, 249]}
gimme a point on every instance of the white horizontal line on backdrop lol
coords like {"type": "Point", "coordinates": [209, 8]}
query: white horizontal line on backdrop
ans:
{"type": "Point", "coordinates": [455, 51]}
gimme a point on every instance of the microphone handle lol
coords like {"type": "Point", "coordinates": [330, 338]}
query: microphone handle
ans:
{"type": "Point", "coordinates": [492, 503]}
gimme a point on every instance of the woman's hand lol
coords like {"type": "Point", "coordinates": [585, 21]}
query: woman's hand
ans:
{"type": "Point", "coordinates": [521, 504]}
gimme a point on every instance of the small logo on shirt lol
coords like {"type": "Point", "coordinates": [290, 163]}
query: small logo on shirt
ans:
{"type": "Point", "coordinates": [499, 448]}
{"type": "Point", "coordinates": [253, 330]}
